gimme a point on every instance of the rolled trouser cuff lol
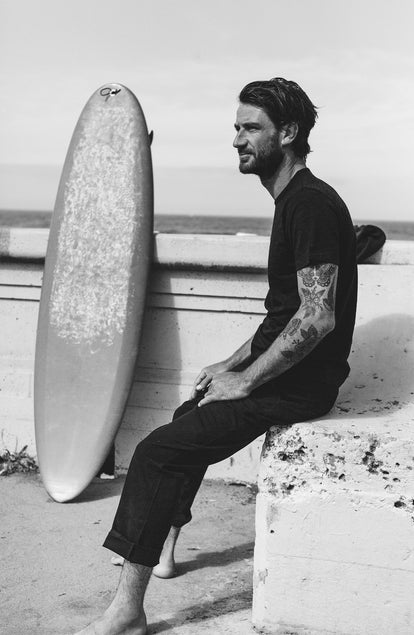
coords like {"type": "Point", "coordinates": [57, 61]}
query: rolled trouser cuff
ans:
{"type": "Point", "coordinates": [138, 554]}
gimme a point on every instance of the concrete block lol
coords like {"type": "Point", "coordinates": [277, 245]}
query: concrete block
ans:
{"type": "Point", "coordinates": [334, 549]}
{"type": "Point", "coordinates": [335, 512]}
{"type": "Point", "coordinates": [334, 562]}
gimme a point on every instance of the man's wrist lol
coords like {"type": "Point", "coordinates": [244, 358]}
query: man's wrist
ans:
{"type": "Point", "coordinates": [246, 381]}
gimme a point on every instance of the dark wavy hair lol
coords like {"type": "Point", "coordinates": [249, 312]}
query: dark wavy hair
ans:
{"type": "Point", "coordinates": [284, 102]}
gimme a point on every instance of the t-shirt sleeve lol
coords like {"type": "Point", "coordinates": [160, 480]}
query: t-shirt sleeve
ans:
{"type": "Point", "coordinates": [313, 231]}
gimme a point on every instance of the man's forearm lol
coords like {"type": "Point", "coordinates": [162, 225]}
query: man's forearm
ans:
{"type": "Point", "coordinates": [239, 356]}
{"type": "Point", "coordinates": [296, 341]}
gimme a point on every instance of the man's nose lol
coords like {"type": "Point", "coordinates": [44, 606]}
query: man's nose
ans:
{"type": "Point", "coordinates": [239, 140]}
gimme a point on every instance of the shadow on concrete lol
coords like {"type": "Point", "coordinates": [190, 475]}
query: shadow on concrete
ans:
{"type": "Point", "coordinates": [206, 610]}
{"type": "Point", "coordinates": [217, 558]}
{"type": "Point", "coordinates": [382, 368]}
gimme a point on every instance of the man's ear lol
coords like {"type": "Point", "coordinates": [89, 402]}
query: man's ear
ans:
{"type": "Point", "coordinates": [289, 133]}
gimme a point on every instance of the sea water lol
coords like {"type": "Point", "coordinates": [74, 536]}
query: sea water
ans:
{"type": "Point", "coordinates": [202, 224]}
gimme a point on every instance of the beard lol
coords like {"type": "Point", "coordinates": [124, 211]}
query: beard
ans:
{"type": "Point", "coordinates": [265, 162]}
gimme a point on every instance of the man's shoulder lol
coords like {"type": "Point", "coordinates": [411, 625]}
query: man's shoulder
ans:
{"type": "Point", "coordinates": [311, 190]}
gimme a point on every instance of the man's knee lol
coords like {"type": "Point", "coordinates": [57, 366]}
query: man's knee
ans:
{"type": "Point", "coordinates": [184, 408]}
{"type": "Point", "coordinates": [151, 439]}
{"type": "Point", "coordinates": [154, 446]}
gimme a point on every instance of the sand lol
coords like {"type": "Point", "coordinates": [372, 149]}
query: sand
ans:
{"type": "Point", "coordinates": [56, 577]}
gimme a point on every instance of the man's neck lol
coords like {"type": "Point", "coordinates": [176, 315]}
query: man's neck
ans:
{"type": "Point", "coordinates": [285, 172]}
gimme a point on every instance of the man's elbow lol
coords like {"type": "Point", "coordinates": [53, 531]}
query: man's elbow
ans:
{"type": "Point", "coordinates": [326, 323]}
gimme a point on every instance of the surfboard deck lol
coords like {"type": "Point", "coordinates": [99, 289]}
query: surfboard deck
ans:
{"type": "Point", "coordinates": [93, 292]}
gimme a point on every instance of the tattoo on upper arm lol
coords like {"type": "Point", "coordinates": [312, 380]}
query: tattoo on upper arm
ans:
{"type": "Point", "coordinates": [317, 287]}
{"type": "Point", "coordinates": [312, 301]}
{"type": "Point", "coordinates": [329, 301]}
{"type": "Point", "coordinates": [307, 276]}
{"type": "Point", "coordinates": [324, 274]}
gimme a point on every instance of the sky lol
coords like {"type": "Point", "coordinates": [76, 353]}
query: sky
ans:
{"type": "Point", "coordinates": [186, 62]}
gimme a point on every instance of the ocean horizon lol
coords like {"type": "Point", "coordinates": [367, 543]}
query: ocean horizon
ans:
{"type": "Point", "coordinates": [204, 224]}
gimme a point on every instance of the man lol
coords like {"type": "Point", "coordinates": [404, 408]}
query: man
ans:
{"type": "Point", "coordinates": [289, 371]}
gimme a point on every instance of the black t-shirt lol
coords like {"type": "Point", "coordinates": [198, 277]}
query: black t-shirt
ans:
{"type": "Point", "coordinates": [311, 226]}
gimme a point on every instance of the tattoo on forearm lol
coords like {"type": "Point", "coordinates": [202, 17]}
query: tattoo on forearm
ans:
{"type": "Point", "coordinates": [292, 328]}
{"type": "Point", "coordinates": [302, 347]}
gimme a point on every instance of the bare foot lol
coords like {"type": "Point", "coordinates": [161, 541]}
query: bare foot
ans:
{"type": "Point", "coordinates": [165, 569]}
{"type": "Point", "coordinates": [112, 623]}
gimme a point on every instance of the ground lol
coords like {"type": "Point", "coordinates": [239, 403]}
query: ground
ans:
{"type": "Point", "coordinates": [56, 577]}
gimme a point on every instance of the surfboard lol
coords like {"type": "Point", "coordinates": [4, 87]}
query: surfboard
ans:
{"type": "Point", "coordinates": [93, 291]}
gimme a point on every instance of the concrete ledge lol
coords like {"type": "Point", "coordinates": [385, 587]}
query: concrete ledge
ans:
{"type": "Point", "coordinates": [180, 251]}
{"type": "Point", "coordinates": [198, 251]}
{"type": "Point", "coordinates": [19, 243]}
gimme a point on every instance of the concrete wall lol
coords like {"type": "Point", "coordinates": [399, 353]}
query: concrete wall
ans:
{"type": "Point", "coordinates": [205, 298]}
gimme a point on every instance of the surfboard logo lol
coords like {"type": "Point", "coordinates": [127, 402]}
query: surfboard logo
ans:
{"type": "Point", "coordinates": [107, 92]}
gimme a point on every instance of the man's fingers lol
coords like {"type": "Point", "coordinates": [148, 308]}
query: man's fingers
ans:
{"type": "Point", "coordinates": [206, 399]}
{"type": "Point", "coordinates": [199, 379]}
{"type": "Point", "coordinates": [211, 395]}
{"type": "Point", "coordinates": [194, 391]}
{"type": "Point", "coordinates": [200, 384]}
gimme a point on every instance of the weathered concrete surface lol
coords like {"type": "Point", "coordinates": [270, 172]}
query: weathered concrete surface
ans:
{"type": "Point", "coordinates": [56, 577]}
{"type": "Point", "coordinates": [335, 531]}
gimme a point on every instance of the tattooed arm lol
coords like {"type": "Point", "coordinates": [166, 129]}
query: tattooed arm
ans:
{"type": "Point", "coordinates": [314, 319]}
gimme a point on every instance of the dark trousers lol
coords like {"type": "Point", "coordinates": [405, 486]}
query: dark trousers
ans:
{"type": "Point", "coordinates": [169, 464]}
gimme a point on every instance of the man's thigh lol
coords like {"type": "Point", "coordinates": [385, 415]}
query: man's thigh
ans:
{"type": "Point", "coordinates": [202, 435]}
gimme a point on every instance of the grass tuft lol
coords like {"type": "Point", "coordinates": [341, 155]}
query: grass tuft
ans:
{"type": "Point", "coordinates": [11, 462]}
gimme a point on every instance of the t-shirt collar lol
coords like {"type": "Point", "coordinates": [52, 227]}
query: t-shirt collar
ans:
{"type": "Point", "coordinates": [295, 178]}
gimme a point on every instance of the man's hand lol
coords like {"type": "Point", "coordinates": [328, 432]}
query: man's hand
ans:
{"type": "Point", "coordinates": [205, 376]}
{"type": "Point", "coordinates": [225, 386]}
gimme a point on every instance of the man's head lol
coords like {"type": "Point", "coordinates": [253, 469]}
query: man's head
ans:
{"type": "Point", "coordinates": [274, 117]}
